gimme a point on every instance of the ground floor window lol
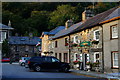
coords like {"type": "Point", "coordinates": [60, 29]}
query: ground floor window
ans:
{"type": "Point", "coordinates": [96, 57]}
{"type": "Point", "coordinates": [115, 59]}
{"type": "Point", "coordinates": [60, 56]}
{"type": "Point", "coordinates": [56, 55]}
{"type": "Point", "coordinates": [65, 57]}
{"type": "Point", "coordinates": [75, 56]}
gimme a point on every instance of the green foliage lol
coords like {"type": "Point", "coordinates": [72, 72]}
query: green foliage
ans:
{"type": "Point", "coordinates": [5, 48]}
{"type": "Point", "coordinates": [62, 14]}
{"type": "Point", "coordinates": [37, 17]}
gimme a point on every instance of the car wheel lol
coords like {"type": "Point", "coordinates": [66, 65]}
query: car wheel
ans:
{"type": "Point", "coordinates": [26, 66]}
{"type": "Point", "coordinates": [22, 64]}
{"type": "Point", "coordinates": [37, 68]}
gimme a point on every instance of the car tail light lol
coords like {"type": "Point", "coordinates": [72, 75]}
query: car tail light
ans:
{"type": "Point", "coordinates": [20, 60]}
{"type": "Point", "coordinates": [28, 62]}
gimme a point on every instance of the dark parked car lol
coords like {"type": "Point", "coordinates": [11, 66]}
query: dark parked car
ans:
{"type": "Point", "coordinates": [47, 63]}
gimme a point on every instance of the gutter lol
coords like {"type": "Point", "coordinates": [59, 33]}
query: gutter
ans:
{"type": "Point", "coordinates": [102, 51]}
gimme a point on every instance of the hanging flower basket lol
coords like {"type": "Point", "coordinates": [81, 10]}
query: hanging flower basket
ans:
{"type": "Point", "coordinates": [95, 64]}
{"type": "Point", "coordinates": [95, 42]}
{"type": "Point", "coordinates": [66, 44]}
{"type": "Point", "coordinates": [74, 45]}
{"type": "Point", "coordinates": [76, 62]}
{"type": "Point", "coordinates": [88, 63]}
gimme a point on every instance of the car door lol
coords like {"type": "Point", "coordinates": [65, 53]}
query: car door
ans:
{"type": "Point", "coordinates": [55, 63]}
{"type": "Point", "coordinates": [46, 64]}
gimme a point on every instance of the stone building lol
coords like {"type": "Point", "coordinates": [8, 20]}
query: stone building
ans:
{"type": "Point", "coordinates": [24, 46]}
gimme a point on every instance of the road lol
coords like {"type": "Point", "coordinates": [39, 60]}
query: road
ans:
{"type": "Point", "coordinates": [17, 72]}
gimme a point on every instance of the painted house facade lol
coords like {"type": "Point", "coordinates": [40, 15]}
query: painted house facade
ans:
{"type": "Point", "coordinates": [24, 46]}
{"type": "Point", "coordinates": [47, 44]}
{"type": "Point", "coordinates": [111, 40]}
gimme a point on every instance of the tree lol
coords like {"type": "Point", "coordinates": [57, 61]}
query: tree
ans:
{"type": "Point", "coordinates": [103, 6]}
{"type": "Point", "coordinates": [37, 23]}
{"type": "Point", "coordinates": [61, 15]}
{"type": "Point", "coordinates": [5, 48]}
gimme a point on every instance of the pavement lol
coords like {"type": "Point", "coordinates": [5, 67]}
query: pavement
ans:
{"type": "Point", "coordinates": [108, 76]}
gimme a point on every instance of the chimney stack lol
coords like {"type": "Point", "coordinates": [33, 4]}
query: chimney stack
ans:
{"type": "Point", "coordinates": [9, 24]}
{"type": "Point", "coordinates": [68, 23]}
{"type": "Point", "coordinates": [87, 14]}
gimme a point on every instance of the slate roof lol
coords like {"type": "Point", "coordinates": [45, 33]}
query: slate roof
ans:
{"type": "Point", "coordinates": [66, 31]}
{"type": "Point", "coordinates": [57, 29]}
{"type": "Point", "coordinates": [54, 31]}
{"type": "Point", "coordinates": [114, 14]}
{"type": "Point", "coordinates": [2, 26]}
{"type": "Point", "coordinates": [89, 23]}
{"type": "Point", "coordinates": [16, 40]}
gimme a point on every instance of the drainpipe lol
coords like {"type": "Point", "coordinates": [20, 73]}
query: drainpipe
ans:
{"type": "Point", "coordinates": [119, 45]}
{"type": "Point", "coordinates": [102, 51]}
{"type": "Point", "coordinates": [69, 52]}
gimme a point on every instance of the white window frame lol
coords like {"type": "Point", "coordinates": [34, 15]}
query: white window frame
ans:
{"type": "Point", "coordinates": [76, 41]}
{"type": "Point", "coordinates": [114, 34]}
{"type": "Point", "coordinates": [81, 58]}
{"type": "Point", "coordinates": [88, 58]}
{"type": "Point", "coordinates": [114, 59]}
{"type": "Point", "coordinates": [2, 39]}
{"type": "Point", "coordinates": [95, 35]}
{"type": "Point", "coordinates": [75, 57]}
{"type": "Point", "coordinates": [95, 56]}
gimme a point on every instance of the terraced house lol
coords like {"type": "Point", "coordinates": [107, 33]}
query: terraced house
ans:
{"type": "Point", "coordinates": [94, 41]}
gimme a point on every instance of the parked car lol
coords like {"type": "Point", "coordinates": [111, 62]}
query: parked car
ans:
{"type": "Point", "coordinates": [5, 59]}
{"type": "Point", "coordinates": [22, 60]}
{"type": "Point", "coordinates": [47, 63]}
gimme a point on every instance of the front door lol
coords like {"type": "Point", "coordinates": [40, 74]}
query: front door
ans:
{"type": "Point", "coordinates": [85, 59]}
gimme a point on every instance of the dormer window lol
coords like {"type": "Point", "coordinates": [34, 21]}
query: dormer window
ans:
{"type": "Point", "coordinates": [96, 35]}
